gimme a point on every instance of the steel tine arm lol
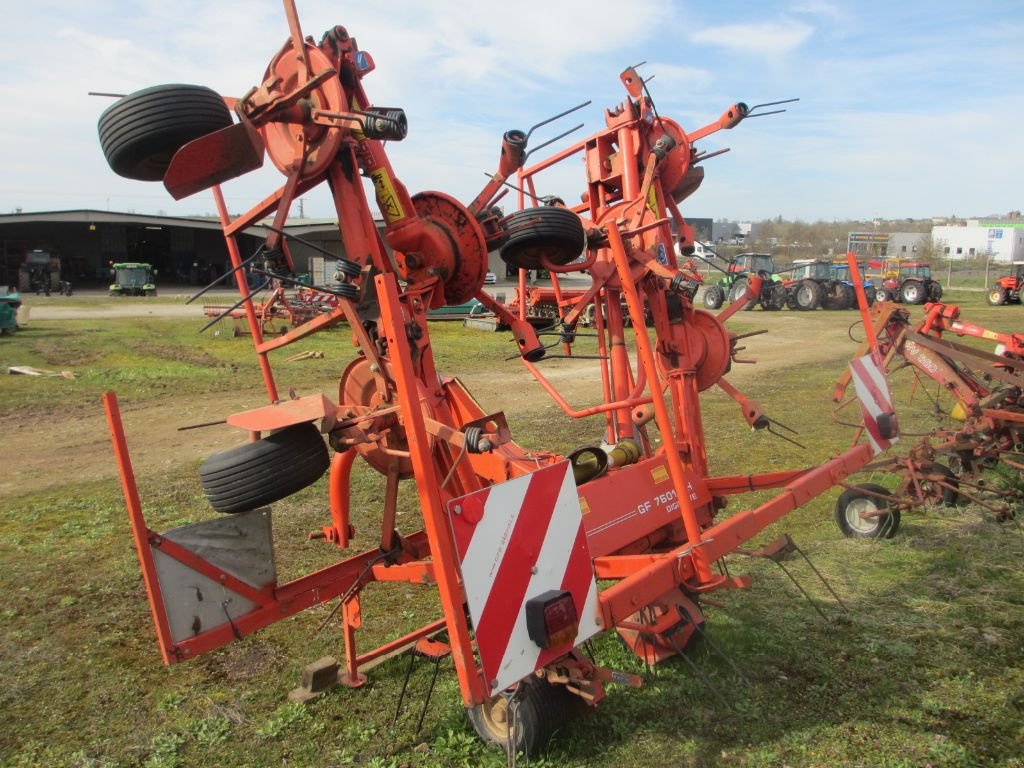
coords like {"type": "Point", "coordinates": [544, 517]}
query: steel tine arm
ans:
{"type": "Point", "coordinates": [226, 274]}
{"type": "Point", "coordinates": [234, 306]}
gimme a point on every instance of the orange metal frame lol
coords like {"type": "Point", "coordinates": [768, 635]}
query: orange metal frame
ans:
{"type": "Point", "coordinates": [653, 534]}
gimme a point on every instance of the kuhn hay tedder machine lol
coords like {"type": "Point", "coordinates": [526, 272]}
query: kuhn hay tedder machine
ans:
{"type": "Point", "coordinates": [978, 394]}
{"type": "Point", "coordinates": [513, 542]}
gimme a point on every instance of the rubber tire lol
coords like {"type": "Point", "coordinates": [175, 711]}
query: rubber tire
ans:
{"type": "Point", "coordinates": [140, 132]}
{"type": "Point", "coordinates": [996, 297]}
{"type": "Point", "coordinates": [259, 473]}
{"type": "Point", "coordinates": [839, 296]}
{"type": "Point", "coordinates": [883, 294]}
{"type": "Point", "coordinates": [736, 291]}
{"type": "Point", "coordinates": [554, 233]}
{"type": "Point", "coordinates": [714, 297]}
{"type": "Point", "coordinates": [913, 292]}
{"type": "Point", "coordinates": [885, 525]}
{"type": "Point", "coordinates": [808, 295]}
{"type": "Point", "coordinates": [934, 291]}
{"type": "Point", "coordinates": [773, 297]}
{"type": "Point", "coordinates": [542, 710]}
{"type": "Point", "coordinates": [791, 296]}
{"type": "Point", "coordinates": [949, 497]}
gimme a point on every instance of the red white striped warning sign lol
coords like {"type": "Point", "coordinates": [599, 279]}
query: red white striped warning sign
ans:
{"type": "Point", "coordinates": [515, 541]}
{"type": "Point", "coordinates": [875, 402]}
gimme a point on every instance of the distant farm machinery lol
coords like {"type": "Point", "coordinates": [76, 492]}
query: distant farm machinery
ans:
{"type": "Point", "coordinates": [513, 541]}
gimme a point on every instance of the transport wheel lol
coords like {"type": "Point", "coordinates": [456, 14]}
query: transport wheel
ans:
{"type": "Point", "coordinates": [854, 502]}
{"type": "Point", "coordinates": [265, 471]}
{"type": "Point", "coordinates": [536, 233]}
{"type": "Point", "coordinates": [140, 132]}
{"type": "Point", "coordinates": [996, 297]}
{"type": "Point", "coordinates": [714, 297]}
{"type": "Point", "coordinates": [540, 710]}
{"type": "Point", "coordinates": [936, 493]}
{"type": "Point", "coordinates": [912, 292]}
{"type": "Point", "coordinates": [808, 295]}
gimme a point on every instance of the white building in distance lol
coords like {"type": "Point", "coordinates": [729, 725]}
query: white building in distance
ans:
{"type": "Point", "coordinates": [981, 239]}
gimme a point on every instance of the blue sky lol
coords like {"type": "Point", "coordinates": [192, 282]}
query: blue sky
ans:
{"type": "Point", "coordinates": [911, 109]}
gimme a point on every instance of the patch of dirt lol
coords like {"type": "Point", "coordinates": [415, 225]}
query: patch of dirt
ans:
{"type": "Point", "coordinates": [47, 452]}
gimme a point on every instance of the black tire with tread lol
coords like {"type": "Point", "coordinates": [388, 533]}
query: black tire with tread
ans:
{"type": "Point", "coordinates": [554, 233]}
{"type": "Point", "coordinates": [913, 292]}
{"type": "Point", "coordinates": [808, 295]}
{"type": "Point", "coordinates": [934, 291]}
{"type": "Point", "coordinates": [736, 291]}
{"type": "Point", "coordinates": [839, 296]}
{"type": "Point", "coordinates": [948, 496]}
{"type": "Point", "coordinates": [883, 526]}
{"type": "Point", "coordinates": [773, 297]}
{"type": "Point", "coordinates": [996, 297]}
{"type": "Point", "coordinates": [140, 132]}
{"type": "Point", "coordinates": [265, 471]}
{"type": "Point", "coordinates": [714, 297]}
{"type": "Point", "coordinates": [542, 709]}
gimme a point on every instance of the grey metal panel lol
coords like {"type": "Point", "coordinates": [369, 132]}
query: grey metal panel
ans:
{"type": "Point", "coordinates": [240, 545]}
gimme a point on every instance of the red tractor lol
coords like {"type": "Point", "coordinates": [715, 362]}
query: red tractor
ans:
{"type": "Point", "coordinates": [908, 282]}
{"type": "Point", "coordinates": [1007, 288]}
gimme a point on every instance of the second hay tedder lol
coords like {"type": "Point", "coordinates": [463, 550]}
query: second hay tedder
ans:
{"type": "Point", "coordinates": [978, 394]}
{"type": "Point", "coordinates": [513, 541]}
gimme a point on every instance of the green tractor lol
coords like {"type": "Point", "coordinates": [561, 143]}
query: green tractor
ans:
{"type": "Point", "coordinates": [734, 282]}
{"type": "Point", "coordinates": [133, 279]}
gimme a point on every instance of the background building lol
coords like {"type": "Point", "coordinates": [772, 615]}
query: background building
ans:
{"type": "Point", "coordinates": [185, 251]}
{"type": "Point", "coordinates": [981, 239]}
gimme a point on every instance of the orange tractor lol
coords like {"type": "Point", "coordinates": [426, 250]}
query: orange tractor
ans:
{"type": "Point", "coordinates": [513, 542]}
{"type": "Point", "coordinates": [1008, 287]}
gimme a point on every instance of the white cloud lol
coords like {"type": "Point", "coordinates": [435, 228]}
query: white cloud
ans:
{"type": "Point", "coordinates": [465, 73]}
{"type": "Point", "coordinates": [824, 10]}
{"type": "Point", "coordinates": [763, 38]}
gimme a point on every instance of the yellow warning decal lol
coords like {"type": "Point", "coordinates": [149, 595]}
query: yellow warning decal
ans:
{"type": "Point", "coordinates": [652, 200]}
{"type": "Point", "coordinates": [659, 474]}
{"type": "Point", "coordinates": [584, 506]}
{"type": "Point", "coordinates": [990, 335]}
{"type": "Point", "coordinates": [387, 198]}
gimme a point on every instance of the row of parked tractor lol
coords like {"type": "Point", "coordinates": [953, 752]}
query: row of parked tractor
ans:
{"type": "Point", "coordinates": [810, 284]}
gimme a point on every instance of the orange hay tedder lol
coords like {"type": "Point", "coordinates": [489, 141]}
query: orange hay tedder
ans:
{"type": "Point", "coordinates": [513, 541]}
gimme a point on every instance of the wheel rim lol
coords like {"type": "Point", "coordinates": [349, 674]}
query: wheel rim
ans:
{"type": "Point", "coordinates": [495, 717]}
{"type": "Point", "coordinates": [865, 525]}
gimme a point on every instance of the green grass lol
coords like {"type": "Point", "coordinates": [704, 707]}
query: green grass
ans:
{"type": "Point", "coordinates": [146, 358]}
{"type": "Point", "coordinates": [926, 668]}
